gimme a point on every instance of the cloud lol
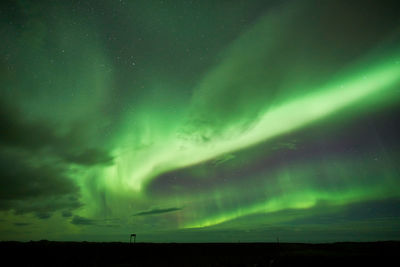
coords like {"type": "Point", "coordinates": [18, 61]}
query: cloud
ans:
{"type": "Point", "coordinates": [90, 157]}
{"type": "Point", "coordinates": [35, 164]}
{"type": "Point", "coordinates": [83, 221]}
{"type": "Point", "coordinates": [224, 158]}
{"type": "Point", "coordinates": [38, 135]}
{"type": "Point", "coordinates": [20, 224]}
{"type": "Point", "coordinates": [43, 215]}
{"type": "Point", "coordinates": [66, 214]}
{"type": "Point", "coordinates": [20, 133]}
{"type": "Point", "coordinates": [28, 186]}
{"type": "Point", "coordinates": [156, 211]}
{"type": "Point", "coordinates": [21, 179]}
{"type": "Point", "coordinates": [78, 220]}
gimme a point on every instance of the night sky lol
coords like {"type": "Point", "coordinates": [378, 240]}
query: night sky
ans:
{"type": "Point", "coordinates": [200, 121]}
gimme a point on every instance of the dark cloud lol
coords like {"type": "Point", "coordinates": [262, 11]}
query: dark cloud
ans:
{"type": "Point", "coordinates": [39, 135]}
{"type": "Point", "coordinates": [45, 206]}
{"type": "Point", "coordinates": [66, 214]}
{"type": "Point", "coordinates": [90, 157]}
{"type": "Point", "coordinates": [20, 224]}
{"type": "Point", "coordinates": [27, 186]}
{"type": "Point", "coordinates": [22, 180]}
{"type": "Point", "coordinates": [224, 158]}
{"type": "Point", "coordinates": [34, 164]}
{"type": "Point", "coordinates": [43, 215]}
{"type": "Point", "coordinates": [112, 225]}
{"type": "Point", "coordinates": [156, 211]}
{"type": "Point", "coordinates": [78, 220]}
{"type": "Point", "coordinates": [20, 133]}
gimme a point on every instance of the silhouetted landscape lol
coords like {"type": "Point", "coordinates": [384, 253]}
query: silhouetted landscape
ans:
{"type": "Point", "coordinates": [48, 253]}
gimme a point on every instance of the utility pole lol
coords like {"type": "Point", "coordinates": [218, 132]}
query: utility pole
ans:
{"type": "Point", "coordinates": [134, 239]}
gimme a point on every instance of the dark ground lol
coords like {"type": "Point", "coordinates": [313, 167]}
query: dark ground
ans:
{"type": "Point", "coordinates": [45, 253]}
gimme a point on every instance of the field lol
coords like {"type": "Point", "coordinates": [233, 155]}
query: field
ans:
{"type": "Point", "coordinates": [46, 253]}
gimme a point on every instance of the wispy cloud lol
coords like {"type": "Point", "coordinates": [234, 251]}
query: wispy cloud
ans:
{"type": "Point", "coordinates": [21, 224]}
{"type": "Point", "coordinates": [78, 220]}
{"type": "Point", "coordinates": [156, 211]}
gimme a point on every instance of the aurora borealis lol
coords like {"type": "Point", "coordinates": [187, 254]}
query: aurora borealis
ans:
{"type": "Point", "coordinates": [200, 121]}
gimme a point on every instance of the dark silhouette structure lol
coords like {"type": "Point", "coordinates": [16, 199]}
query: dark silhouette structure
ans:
{"type": "Point", "coordinates": [134, 239]}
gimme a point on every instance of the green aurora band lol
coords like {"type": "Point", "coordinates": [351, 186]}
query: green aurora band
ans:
{"type": "Point", "coordinates": [289, 116]}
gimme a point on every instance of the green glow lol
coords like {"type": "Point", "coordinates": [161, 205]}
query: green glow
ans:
{"type": "Point", "coordinates": [291, 115]}
{"type": "Point", "coordinates": [298, 187]}
{"type": "Point", "coordinates": [303, 200]}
